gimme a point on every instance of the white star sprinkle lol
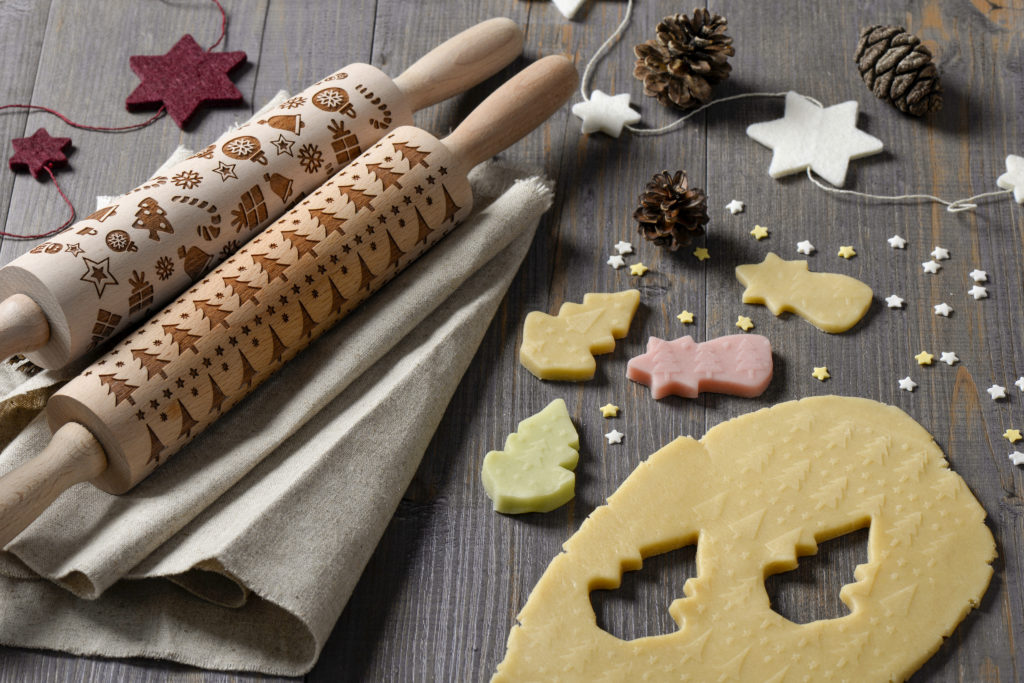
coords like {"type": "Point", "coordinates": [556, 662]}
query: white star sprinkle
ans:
{"type": "Point", "coordinates": [931, 266]}
{"type": "Point", "coordinates": [978, 292]}
{"type": "Point", "coordinates": [735, 206]}
{"type": "Point", "coordinates": [897, 242]}
{"type": "Point", "coordinates": [1020, 383]}
{"type": "Point", "coordinates": [943, 309]}
{"type": "Point", "coordinates": [948, 357]}
{"type": "Point", "coordinates": [996, 392]}
{"type": "Point", "coordinates": [805, 247]}
{"type": "Point", "coordinates": [940, 254]}
{"type": "Point", "coordinates": [624, 247]}
{"type": "Point", "coordinates": [1017, 458]}
{"type": "Point", "coordinates": [605, 113]}
{"type": "Point", "coordinates": [614, 436]}
{"type": "Point", "coordinates": [616, 261]}
{"type": "Point", "coordinates": [1013, 179]}
{"type": "Point", "coordinates": [907, 384]}
{"type": "Point", "coordinates": [894, 301]}
{"type": "Point", "coordinates": [979, 275]}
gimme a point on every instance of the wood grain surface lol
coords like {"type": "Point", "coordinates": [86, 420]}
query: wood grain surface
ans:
{"type": "Point", "coordinates": [438, 598]}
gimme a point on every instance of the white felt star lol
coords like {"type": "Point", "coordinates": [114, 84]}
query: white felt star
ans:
{"type": "Point", "coordinates": [996, 392]}
{"type": "Point", "coordinates": [943, 309]}
{"type": "Point", "coordinates": [939, 253]}
{"type": "Point", "coordinates": [948, 357]}
{"type": "Point", "coordinates": [605, 113]}
{"type": "Point", "coordinates": [978, 292]}
{"type": "Point", "coordinates": [979, 275]}
{"type": "Point", "coordinates": [568, 8]}
{"type": "Point", "coordinates": [614, 436]}
{"type": "Point", "coordinates": [624, 247]}
{"type": "Point", "coordinates": [734, 207]}
{"type": "Point", "coordinates": [931, 266]}
{"type": "Point", "coordinates": [823, 139]}
{"type": "Point", "coordinates": [894, 301]}
{"type": "Point", "coordinates": [1017, 458]}
{"type": "Point", "coordinates": [907, 384]}
{"type": "Point", "coordinates": [1013, 179]}
{"type": "Point", "coordinates": [897, 242]}
{"type": "Point", "coordinates": [1020, 383]}
{"type": "Point", "coordinates": [616, 261]}
{"type": "Point", "coordinates": [805, 247]}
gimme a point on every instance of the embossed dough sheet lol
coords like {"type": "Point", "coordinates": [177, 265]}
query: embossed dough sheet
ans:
{"type": "Point", "coordinates": [274, 523]}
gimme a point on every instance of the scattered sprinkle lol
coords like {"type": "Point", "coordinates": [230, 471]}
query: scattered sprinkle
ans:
{"type": "Point", "coordinates": [1020, 383]}
{"type": "Point", "coordinates": [609, 410]}
{"type": "Point", "coordinates": [894, 301]}
{"type": "Point", "coordinates": [702, 254]}
{"type": "Point", "coordinates": [996, 392]}
{"type": "Point", "coordinates": [759, 231]}
{"type": "Point", "coordinates": [931, 266]}
{"type": "Point", "coordinates": [979, 275]}
{"type": "Point", "coordinates": [897, 242]}
{"type": "Point", "coordinates": [924, 358]}
{"type": "Point", "coordinates": [1017, 458]}
{"type": "Point", "coordinates": [638, 269]}
{"type": "Point", "coordinates": [940, 254]}
{"type": "Point", "coordinates": [735, 206]}
{"type": "Point", "coordinates": [685, 317]}
{"type": "Point", "coordinates": [1012, 435]}
{"type": "Point", "coordinates": [847, 252]}
{"type": "Point", "coordinates": [744, 323]}
{"type": "Point", "coordinates": [616, 261]}
{"type": "Point", "coordinates": [805, 247]}
{"type": "Point", "coordinates": [820, 374]}
{"type": "Point", "coordinates": [978, 292]}
{"type": "Point", "coordinates": [623, 247]}
{"type": "Point", "coordinates": [948, 357]}
{"type": "Point", "coordinates": [943, 309]}
{"type": "Point", "coordinates": [907, 384]}
{"type": "Point", "coordinates": [614, 436]}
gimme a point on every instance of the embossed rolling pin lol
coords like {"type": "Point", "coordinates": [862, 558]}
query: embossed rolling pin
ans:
{"type": "Point", "coordinates": [163, 384]}
{"type": "Point", "coordinates": [118, 265]}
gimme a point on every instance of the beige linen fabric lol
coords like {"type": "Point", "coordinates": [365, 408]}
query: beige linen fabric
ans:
{"type": "Point", "coordinates": [270, 515]}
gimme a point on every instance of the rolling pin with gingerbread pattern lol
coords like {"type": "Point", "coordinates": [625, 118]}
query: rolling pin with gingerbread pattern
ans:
{"type": "Point", "coordinates": [114, 268]}
{"type": "Point", "coordinates": [166, 382]}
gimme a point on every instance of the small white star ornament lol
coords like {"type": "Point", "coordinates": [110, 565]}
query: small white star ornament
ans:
{"type": "Point", "coordinates": [805, 247]}
{"type": "Point", "coordinates": [894, 301]}
{"type": "Point", "coordinates": [978, 292]}
{"type": "Point", "coordinates": [948, 357]}
{"type": "Point", "coordinates": [823, 139]}
{"type": "Point", "coordinates": [1020, 383]}
{"type": "Point", "coordinates": [996, 392]}
{"type": "Point", "coordinates": [897, 242]}
{"type": "Point", "coordinates": [568, 8]}
{"type": "Point", "coordinates": [931, 266]}
{"type": "Point", "coordinates": [623, 247]}
{"type": "Point", "coordinates": [943, 309]}
{"type": "Point", "coordinates": [979, 275]}
{"type": "Point", "coordinates": [616, 261]}
{"type": "Point", "coordinates": [1017, 458]}
{"type": "Point", "coordinates": [1013, 179]}
{"type": "Point", "coordinates": [940, 253]}
{"type": "Point", "coordinates": [614, 436]}
{"type": "Point", "coordinates": [907, 384]}
{"type": "Point", "coordinates": [605, 113]}
{"type": "Point", "coordinates": [734, 207]}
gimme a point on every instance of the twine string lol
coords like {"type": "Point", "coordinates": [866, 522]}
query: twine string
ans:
{"type": "Point", "coordinates": [955, 206]}
{"type": "Point", "coordinates": [69, 221]}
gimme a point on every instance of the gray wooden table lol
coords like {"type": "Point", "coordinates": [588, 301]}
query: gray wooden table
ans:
{"type": "Point", "coordinates": [439, 596]}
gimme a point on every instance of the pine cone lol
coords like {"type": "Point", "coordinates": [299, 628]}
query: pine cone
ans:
{"type": "Point", "coordinates": [686, 59]}
{"type": "Point", "coordinates": [671, 213]}
{"type": "Point", "coordinates": [899, 69]}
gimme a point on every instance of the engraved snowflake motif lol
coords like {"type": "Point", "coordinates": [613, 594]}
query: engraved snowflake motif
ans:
{"type": "Point", "coordinates": [331, 98]}
{"type": "Point", "coordinates": [240, 147]}
{"type": "Point", "coordinates": [164, 267]}
{"type": "Point", "coordinates": [311, 158]}
{"type": "Point", "coordinates": [187, 180]}
{"type": "Point", "coordinates": [293, 103]}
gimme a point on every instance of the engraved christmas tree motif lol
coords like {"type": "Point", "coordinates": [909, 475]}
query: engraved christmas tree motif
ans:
{"type": "Point", "coordinates": [278, 347]}
{"type": "Point", "coordinates": [248, 372]}
{"type": "Point", "coordinates": [155, 446]}
{"type": "Point", "coordinates": [358, 197]}
{"type": "Point", "coordinates": [386, 176]}
{"type": "Point", "coordinates": [120, 388]}
{"type": "Point", "coordinates": [365, 275]}
{"type": "Point", "coordinates": [394, 253]}
{"type": "Point", "coordinates": [217, 397]}
{"type": "Point", "coordinates": [150, 362]}
{"type": "Point", "coordinates": [308, 324]}
{"type": "Point", "coordinates": [152, 217]}
{"type": "Point", "coordinates": [337, 300]}
{"type": "Point", "coordinates": [411, 154]}
{"type": "Point", "coordinates": [212, 312]}
{"type": "Point", "coordinates": [302, 244]}
{"type": "Point", "coordinates": [423, 230]}
{"type": "Point", "coordinates": [329, 221]}
{"type": "Point", "coordinates": [244, 290]}
{"type": "Point", "coordinates": [272, 268]}
{"type": "Point", "coordinates": [182, 337]}
{"type": "Point", "coordinates": [450, 207]}
{"type": "Point", "coordinates": [188, 423]}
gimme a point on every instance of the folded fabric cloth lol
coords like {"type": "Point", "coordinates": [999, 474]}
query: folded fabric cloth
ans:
{"type": "Point", "coordinates": [268, 518]}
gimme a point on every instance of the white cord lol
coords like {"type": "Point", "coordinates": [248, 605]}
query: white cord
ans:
{"type": "Point", "coordinates": [955, 206]}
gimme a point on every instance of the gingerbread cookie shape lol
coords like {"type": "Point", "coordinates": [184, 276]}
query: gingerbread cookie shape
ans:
{"type": "Point", "coordinates": [829, 301]}
{"type": "Point", "coordinates": [754, 494]}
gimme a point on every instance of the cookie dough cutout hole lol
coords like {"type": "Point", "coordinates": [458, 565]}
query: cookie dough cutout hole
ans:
{"type": "Point", "coordinates": [638, 606]}
{"type": "Point", "coordinates": [810, 591]}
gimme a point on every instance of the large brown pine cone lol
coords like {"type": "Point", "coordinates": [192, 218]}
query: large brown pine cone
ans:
{"type": "Point", "coordinates": [671, 213]}
{"type": "Point", "coordinates": [899, 69]}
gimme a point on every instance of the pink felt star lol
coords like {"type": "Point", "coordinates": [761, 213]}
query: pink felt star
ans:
{"type": "Point", "coordinates": [184, 79]}
{"type": "Point", "coordinates": [737, 364]}
{"type": "Point", "coordinates": [38, 152]}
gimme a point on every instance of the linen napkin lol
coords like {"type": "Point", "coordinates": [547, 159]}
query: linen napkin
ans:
{"type": "Point", "coordinates": [267, 519]}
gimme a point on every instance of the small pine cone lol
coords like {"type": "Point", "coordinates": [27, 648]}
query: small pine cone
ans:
{"type": "Point", "coordinates": [671, 213]}
{"type": "Point", "coordinates": [686, 59]}
{"type": "Point", "coordinates": [899, 69]}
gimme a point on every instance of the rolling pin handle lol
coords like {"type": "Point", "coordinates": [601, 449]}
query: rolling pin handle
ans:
{"type": "Point", "coordinates": [72, 456]}
{"type": "Point", "coordinates": [23, 326]}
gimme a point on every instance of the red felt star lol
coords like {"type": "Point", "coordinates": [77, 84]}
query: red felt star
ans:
{"type": "Point", "coordinates": [38, 152]}
{"type": "Point", "coordinates": [183, 79]}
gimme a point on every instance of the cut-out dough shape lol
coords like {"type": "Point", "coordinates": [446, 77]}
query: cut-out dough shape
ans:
{"type": "Point", "coordinates": [823, 139]}
{"type": "Point", "coordinates": [737, 364]}
{"type": "Point", "coordinates": [829, 301]}
{"type": "Point", "coordinates": [563, 347]}
{"type": "Point", "coordinates": [534, 472]}
{"type": "Point", "coordinates": [759, 491]}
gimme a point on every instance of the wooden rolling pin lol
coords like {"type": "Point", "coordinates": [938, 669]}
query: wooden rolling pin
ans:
{"type": "Point", "coordinates": [107, 272]}
{"type": "Point", "coordinates": [155, 391]}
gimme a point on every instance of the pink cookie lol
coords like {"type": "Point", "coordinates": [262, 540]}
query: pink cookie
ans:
{"type": "Point", "coordinates": [738, 364]}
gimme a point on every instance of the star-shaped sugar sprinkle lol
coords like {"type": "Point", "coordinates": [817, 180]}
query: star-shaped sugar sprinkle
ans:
{"type": "Point", "coordinates": [609, 410]}
{"type": "Point", "coordinates": [614, 436]}
{"type": "Point", "coordinates": [38, 152]}
{"type": "Point", "coordinates": [978, 292]}
{"type": "Point", "coordinates": [897, 242]}
{"type": "Point", "coordinates": [1017, 458]}
{"type": "Point", "coordinates": [996, 392]}
{"type": "Point", "coordinates": [184, 79]}
{"type": "Point", "coordinates": [893, 301]}
{"type": "Point", "coordinates": [685, 317]}
{"type": "Point", "coordinates": [638, 269]}
{"type": "Point", "coordinates": [1012, 435]}
{"type": "Point", "coordinates": [805, 247]}
{"type": "Point", "coordinates": [616, 261]}
{"type": "Point", "coordinates": [759, 232]}
{"type": "Point", "coordinates": [924, 358]}
{"type": "Point", "coordinates": [931, 267]}
{"type": "Point", "coordinates": [622, 247]}
{"type": "Point", "coordinates": [1020, 383]}
{"type": "Point", "coordinates": [847, 252]}
{"type": "Point", "coordinates": [943, 309]}
{"type": "Point", "coordinates": [1013, 179]}
{"type": "Point", "coordinates": [907, 384]}
{"type": "Point", "coordinates": [702, 254]}
{"type": "Point", "coordinates": [605, 113]}
{"type": "Point", "coordinates": [978, 275]}
{"type": "Point", "coordinates": [940, 253]}
{"type": "Point", "coordinates": [948, 357]}
{"type": "Point", "coordinates": [823, 139]}
{"type": "Point", "coordinates": [734, 207]}
{"type": "Point", "coordinates": [744, 323]}
{"type": "Point", "coordinates": [821, 374]}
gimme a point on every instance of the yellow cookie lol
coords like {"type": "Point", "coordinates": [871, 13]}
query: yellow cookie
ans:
{"type": "Point", "coordinates": [754, 494]}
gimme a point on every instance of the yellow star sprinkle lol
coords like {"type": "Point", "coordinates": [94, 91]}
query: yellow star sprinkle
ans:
{"type": "Point", "coordinates": [744, 323]}
{"type": "Point", "coordinates": [685, 317]}
{"type": "Point", "coordinates": [847, 252]}
{"type": "Point", "coordinates": [638, 269]}
{"type": "Point", "coordinates": [821, 374]}
{"type": "Point", "coordinates": [924, 358]}
{"type": "Point", "coordinates": [759, 231]}
{"type": "Point", "coordinates": [1012, 435]}
{"type": "Point", "coordinates": [701, 253]}
{"type": "Point", "coordinates": [609, 410]}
